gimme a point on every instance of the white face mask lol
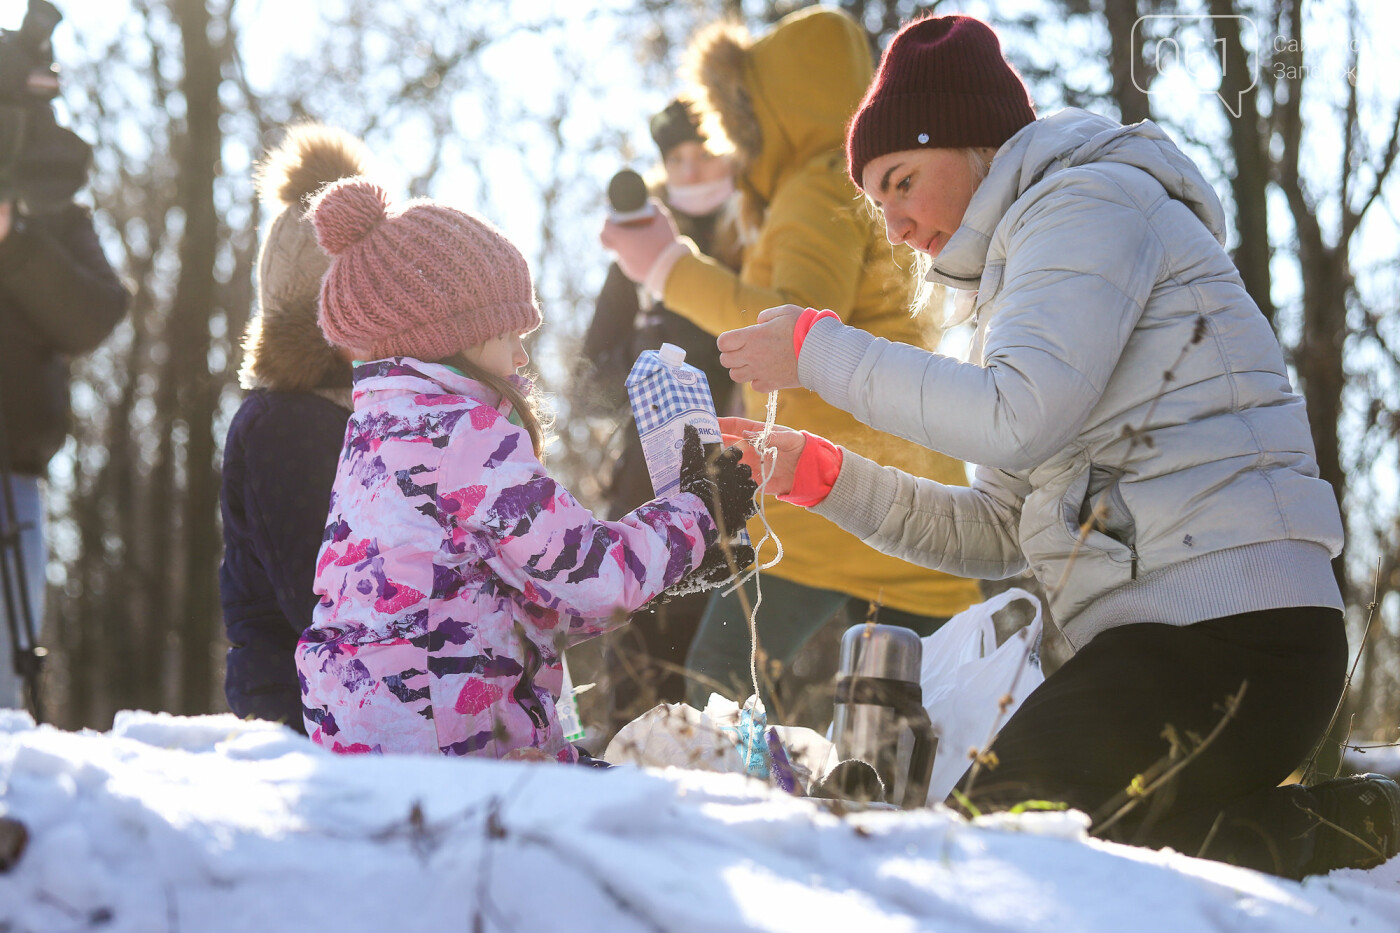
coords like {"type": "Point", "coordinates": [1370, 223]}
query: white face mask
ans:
{"type": "Point", "coordinates": [701, 199]}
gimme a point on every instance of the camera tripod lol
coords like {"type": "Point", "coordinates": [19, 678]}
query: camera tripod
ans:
{"type": "Point", "coordinates": [19, 612]}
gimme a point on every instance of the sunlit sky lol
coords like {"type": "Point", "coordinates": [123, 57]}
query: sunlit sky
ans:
{"type": "Point", "coordinates": [1183, 97]}
{"type": "Point", "coordinates": [270, 27]}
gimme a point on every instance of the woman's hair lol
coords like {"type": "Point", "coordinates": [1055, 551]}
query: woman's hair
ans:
{"type": "Point", "coordinates": [926, 293]}
{"type": "Point", "coordinates": [526, 405]}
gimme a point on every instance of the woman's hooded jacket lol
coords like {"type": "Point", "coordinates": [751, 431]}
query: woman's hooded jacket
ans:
{"type": "Point", "coordinates": [783, 101]}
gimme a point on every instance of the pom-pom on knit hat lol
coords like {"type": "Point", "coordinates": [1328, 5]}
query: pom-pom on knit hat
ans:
{"type": "Point", "coordinates": [942, 84]}
{"type": "Point", "coordinates": [423, 280]}
{"type": "Point", "coordinates": [283, 348]}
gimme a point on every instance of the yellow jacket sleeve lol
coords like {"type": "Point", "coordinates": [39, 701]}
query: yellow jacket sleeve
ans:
{"type": "Point", "coordinates": [810, 252]}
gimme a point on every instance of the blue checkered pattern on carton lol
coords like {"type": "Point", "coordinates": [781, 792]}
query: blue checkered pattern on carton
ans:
{"type": "Point", "coordinates": [666, 395]}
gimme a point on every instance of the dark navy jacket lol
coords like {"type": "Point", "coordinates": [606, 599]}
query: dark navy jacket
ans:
{"type": "Point", "coordinates": [279, 464]}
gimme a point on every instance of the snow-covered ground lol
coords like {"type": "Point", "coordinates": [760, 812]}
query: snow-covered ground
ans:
{"type": "Point", "coordinates": [210, 824]}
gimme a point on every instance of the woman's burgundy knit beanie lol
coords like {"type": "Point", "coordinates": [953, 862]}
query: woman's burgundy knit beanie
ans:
{"type": "Point", "coordinates": [424, 280]}
{"type": "Point", "coordinates": [942, 84]}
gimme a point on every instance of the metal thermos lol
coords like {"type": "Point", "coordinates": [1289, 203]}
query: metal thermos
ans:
{"type": "Point", "coordinates": [878, 703]}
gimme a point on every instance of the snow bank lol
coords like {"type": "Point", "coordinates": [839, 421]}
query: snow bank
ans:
{"type": "Point", "coordinates": [212, 824]}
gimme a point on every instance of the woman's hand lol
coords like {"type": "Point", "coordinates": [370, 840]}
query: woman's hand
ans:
{"type": "Point", "coordinates": [762, 353]}
{"type": "Point", "coordinates": [4, 220]}
{"type": "Point", "coordinates": [785, 441]}
{"type": "Point", "coordinates": [639, 244]}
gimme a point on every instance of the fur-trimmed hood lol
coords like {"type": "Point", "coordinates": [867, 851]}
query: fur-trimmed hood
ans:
{"type": "Point", "coordinates": [283, 348]}
{"type": "Point", "coordinates": [783, 99]}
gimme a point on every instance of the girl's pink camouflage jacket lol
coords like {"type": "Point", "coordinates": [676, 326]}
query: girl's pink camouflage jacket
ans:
{"type": "Point", "coordinates": [454, 570]}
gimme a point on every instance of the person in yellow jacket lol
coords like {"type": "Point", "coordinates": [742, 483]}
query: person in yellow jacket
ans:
{"type": "Point", "coordinates": [783, 102]}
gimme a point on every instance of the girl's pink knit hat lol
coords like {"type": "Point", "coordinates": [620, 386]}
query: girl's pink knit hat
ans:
{"type": "Point", "coordinates": [423, 280]}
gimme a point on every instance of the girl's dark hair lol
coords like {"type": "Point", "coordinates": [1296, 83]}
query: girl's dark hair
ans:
{"type": "Point", "coordinates": [522, 403]}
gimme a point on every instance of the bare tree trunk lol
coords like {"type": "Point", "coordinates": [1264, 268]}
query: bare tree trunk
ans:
{"type": "Point", "coordinates": [1249, 183]}
{"type": "Point", "coordinates": [1325, 267]}
{"type": "Point", "coordinates": [1125, 64]}
{"type": "Point", "coordinates": [194, 303]}
{"type": "Point", "coordinates": [1318, 358]}
{"type": "Point", "coordinates": [1319, 353]}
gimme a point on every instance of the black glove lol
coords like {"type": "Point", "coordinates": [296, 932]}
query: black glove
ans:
{"type": "Point", "coordinates": [712, 571]}
{"type": "Point", "coordinates": [724, 484]}
{"type": "Point", "coordinates": [713, 568]}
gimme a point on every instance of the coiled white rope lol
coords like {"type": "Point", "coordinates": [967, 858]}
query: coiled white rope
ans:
{"type": "Point", "coordinates": [767, 465]}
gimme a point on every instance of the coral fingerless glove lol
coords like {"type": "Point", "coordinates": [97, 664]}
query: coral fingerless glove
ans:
{"type": "Point", "coordinates": [817, 470]}
{"type": "Point", "coordinates": [804, 324]}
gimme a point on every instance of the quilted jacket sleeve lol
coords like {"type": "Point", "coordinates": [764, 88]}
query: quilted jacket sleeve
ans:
{"type": "Point", "coordinates": [538, 539]}
{"type": "Point", "coordinates": [967, 531]}
{"type": "Point", "coordinates": [1079, 270]}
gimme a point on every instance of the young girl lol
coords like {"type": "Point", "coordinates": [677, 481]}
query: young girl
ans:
{"type": "Point", "coordinates": [454, 570]}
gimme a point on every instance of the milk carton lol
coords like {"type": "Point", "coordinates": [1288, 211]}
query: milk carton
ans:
{"type": "Point", "coordinates": [666, 395]}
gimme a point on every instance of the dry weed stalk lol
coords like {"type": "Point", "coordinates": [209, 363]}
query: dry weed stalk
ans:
{"type": "Point", "coordinates": [1310, 769]}
{"type": "Point", "coordinates": [1323, 821]}
{"type": "Point", "coordinates": [984, 756]}
{"type": "Point", "coordinates": [1136, 436]}
{"type": "Point", "coordinates": [1163, 770]}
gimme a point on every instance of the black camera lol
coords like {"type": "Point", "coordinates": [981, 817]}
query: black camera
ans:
{"type": "Point", "coordinates": [42, 165]}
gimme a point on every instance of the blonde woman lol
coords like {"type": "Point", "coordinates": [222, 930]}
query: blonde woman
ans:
{"type": "Point", "coordinates": [1140, 449]}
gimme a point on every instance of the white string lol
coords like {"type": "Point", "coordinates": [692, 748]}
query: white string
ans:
{"type": "Point", "coordinates": [767, 466]}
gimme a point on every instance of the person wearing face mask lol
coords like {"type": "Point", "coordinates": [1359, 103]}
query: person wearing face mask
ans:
{"type": "Point", "coordinates": [1139, 448]}
{"type": "Point", "coordinates": [782, 100]}
{"type": "Point", "coordinates": [697, 185]}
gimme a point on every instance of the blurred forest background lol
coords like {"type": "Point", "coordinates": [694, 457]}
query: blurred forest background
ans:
{"type": "Point", "coordinates": [522, 111]}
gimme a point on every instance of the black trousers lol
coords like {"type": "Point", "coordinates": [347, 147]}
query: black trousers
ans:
{"type": "Point", "coordinates": [1100, 720]}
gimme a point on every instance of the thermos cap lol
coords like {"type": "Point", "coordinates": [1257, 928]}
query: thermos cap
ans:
{"type": "Point", "coordinates": [889, 651]}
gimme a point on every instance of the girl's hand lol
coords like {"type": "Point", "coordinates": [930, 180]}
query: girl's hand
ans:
{"type": "Point", "coordinates": [724, 483]}
{"type": "Point", "coordinates": [785, 441]}
{"type": "Point", "coordinates": [763, 353]}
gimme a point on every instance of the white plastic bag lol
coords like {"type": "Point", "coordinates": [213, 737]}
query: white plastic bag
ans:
{"type": "Point", "coordinates": [964, 677]}
{"type": "Point", "coordinates": [674, 735]}
{"type": "Point", "coordinates": [677, 735]}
